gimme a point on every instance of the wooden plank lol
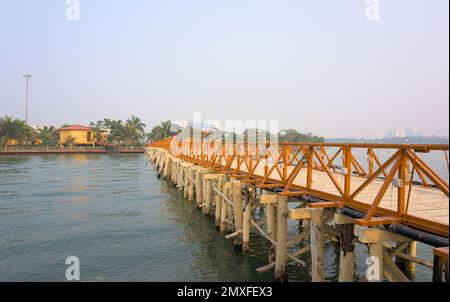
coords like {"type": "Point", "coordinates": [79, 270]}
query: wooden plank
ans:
{"type": "Point", "coordinates": [377, 235]}
{"type": "Point", "coordinates": [441, 252]}
{"type": "Point", "coordinates": [318, 205]}
{"type": "Point", "coordinates": [342, 219]}
{"type": "Point", "coordinates": [300, 214]}
{"type": "Point", "coordinates": [377, 221]}
{"type": "Point", "coordinates": [266, 199]}
{"type": "Point", "coordinates": [294, 193]}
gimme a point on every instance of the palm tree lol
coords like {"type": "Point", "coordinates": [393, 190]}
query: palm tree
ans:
{"type": "Point", "coordinates": [15, 129]}
{"type": "Point", "coordinates": [134, 129]}
{"type": "Point", "coordinates": [99, 129]}
{"type": "Point", "coordinates": [70, 141]}
{"type": "Point", "coordinates": [116, 130]}
{"type": "Point", "coordinates": [164, 130]}
{"type": "Point", "coordinates": [48, 136]}
{"type": "Point", "coordinates": [136, 123]}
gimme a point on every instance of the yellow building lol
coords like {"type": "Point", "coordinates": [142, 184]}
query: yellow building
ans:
{"type": "Point", "coordinates": [76, 135]}
{"type": "Point", "coordinates": [35, 142]}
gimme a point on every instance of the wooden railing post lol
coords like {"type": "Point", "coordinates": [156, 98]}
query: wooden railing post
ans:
{"type": "Point", "coordinates": [401, 207]}
{"type": "Point", "coordinates": [348, 170]}
{"type": "Point", "coordinates": [285, 163]}
{"type": "Point", "coordinates": [370, 159]}
{"type": "Point", "coordinates": [309, 167]}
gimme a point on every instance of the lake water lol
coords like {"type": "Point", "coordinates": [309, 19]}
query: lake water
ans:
{"type": "Point", "coordinates": [123, 224]}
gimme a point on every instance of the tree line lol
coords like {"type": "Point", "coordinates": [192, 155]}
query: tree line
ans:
{"type": "Point", "coordinates": [130, 132]}
{"type": "Point", "coordinates": [168, 129]}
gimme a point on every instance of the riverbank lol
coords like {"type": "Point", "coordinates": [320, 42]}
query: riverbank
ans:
{"type": "Point", "coordinates": [65, 151]}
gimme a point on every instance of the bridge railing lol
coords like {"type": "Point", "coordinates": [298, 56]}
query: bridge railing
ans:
{"type": "Point", "coordinates": [382, 180]}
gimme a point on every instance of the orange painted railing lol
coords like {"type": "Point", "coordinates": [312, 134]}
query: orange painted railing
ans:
{"type": "Point", "coordinates": [349, 171]}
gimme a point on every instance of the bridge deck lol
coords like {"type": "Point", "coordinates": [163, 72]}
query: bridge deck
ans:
{"type": "Point", "coordinates": [428, 203]}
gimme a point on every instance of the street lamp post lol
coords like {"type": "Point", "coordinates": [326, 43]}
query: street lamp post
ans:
{"type": "Point", "coordinates": [28, 77]}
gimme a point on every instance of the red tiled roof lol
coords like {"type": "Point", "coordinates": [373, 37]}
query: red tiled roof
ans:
{"type": "Point", "coordinates": [76, 127]}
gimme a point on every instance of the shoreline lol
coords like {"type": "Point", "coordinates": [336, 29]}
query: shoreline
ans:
{"type": "Point", "coordinates": [62, 152]}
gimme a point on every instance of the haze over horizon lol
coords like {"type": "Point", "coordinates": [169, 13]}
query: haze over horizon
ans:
{"type": "Point", "coordinates": [316, 66]}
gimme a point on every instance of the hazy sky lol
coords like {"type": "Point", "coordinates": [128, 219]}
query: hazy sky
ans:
{"type": "Point", "coordinates": [317, 66]}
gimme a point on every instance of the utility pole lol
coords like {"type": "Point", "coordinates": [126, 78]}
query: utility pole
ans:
{"type": "Point", "coordinates": [28, 77]}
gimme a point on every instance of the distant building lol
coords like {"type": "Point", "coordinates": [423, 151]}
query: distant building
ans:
{"type": "Point", "coordinates": [409, 132]}
{"type": "Point", "coordinates": [80, 135]}
{"type": "Point", "coordinates": [389, 134]}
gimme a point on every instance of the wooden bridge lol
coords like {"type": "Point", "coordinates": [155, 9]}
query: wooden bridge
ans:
{"type": "Point", "coordinates": [389, 192]}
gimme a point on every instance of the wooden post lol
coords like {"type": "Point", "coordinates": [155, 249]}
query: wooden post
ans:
{"type": "Point", "coordinates": [411, 250]}
{"type": "Point", "coordinates": [166, 166]}
{"type": "Point", "coordinates": [203, 173]}
{"type": "Point", "coordinates": [280, 261]}
{"type": "Point", "coordinates": [218, 200]}
{"type": "Point", "coordinates": [208, 196]}
{"type": "Point", "coordinates": [191, 183]}
{"type": "Point", "coordinates": [380, 264]}
{"type": "Point", "coordinates": [347, 255]}
{"type": "Point", "coordinates": [224, 210]}
{"type": "Point", "coordinates": [180, 177]}
{"type": "Point", "coordinates": [198, 187]}
{"type": "Point", "coordinates": [347, 247]}
{"type": "Point", "coordinates": [317, 246]}
{"type": "Point", "coordinates": [271, 220]}
{"type": "Point", "coordinates": [440, 264]}
{"type": "Point", "coordinates": [174, 173]}
{"type": "Point", "coordinates": [186, 180]}
{"type": "Point", "coordinates": [237, 206]}
{"type": "Point", "coordinates": [407, 266]}
{"type": "Point", "coordinates": [376, 251]}
{"type": "Point", "coordinates": [246, 223]}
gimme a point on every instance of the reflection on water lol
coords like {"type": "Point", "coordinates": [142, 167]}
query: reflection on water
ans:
{"type": "Point", "coordinates": [123, 223]}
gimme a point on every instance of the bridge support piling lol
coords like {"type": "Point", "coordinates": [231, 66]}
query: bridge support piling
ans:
{"type": "Point", "coordinates": [180, 177]}
{"type": "Point", "coordinates": [238, 213]}
{"type": "Point", "coordinates": [166, 166]}
{"type": "Point", "coordinates": [440, 265]}
{"type": "Point", "coordinates": [224, 210]}
{"type": "Point", "coordinates": [191, 183]}
{"type": "Point", "coordinates": [208, 195]}
{"type": "Point", "coordinates": [219, 200]}
{"type": "Point", "coordinates": [408, 266]}
{"type": "Point", "coordinates": [282, 217]}
{"type": "Point", "coordinates": [173, 171]}
{"type": "Point", "coordinates": [186, 180]}
{"type": "Point", "coordinates": [198, 187]}
{"type": "Point", "coordinates": [230, 211]}
{"type": "Point", "coordinates": [246, 223]}
{"type": "Point", "coordinates": [347, 247]}
{"type": "Point", "coordinates": [317, 246]}
{"type": "Point", "coordinates": [376, 251]}
{"type": "Point", "coordinates": [271, 221]}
